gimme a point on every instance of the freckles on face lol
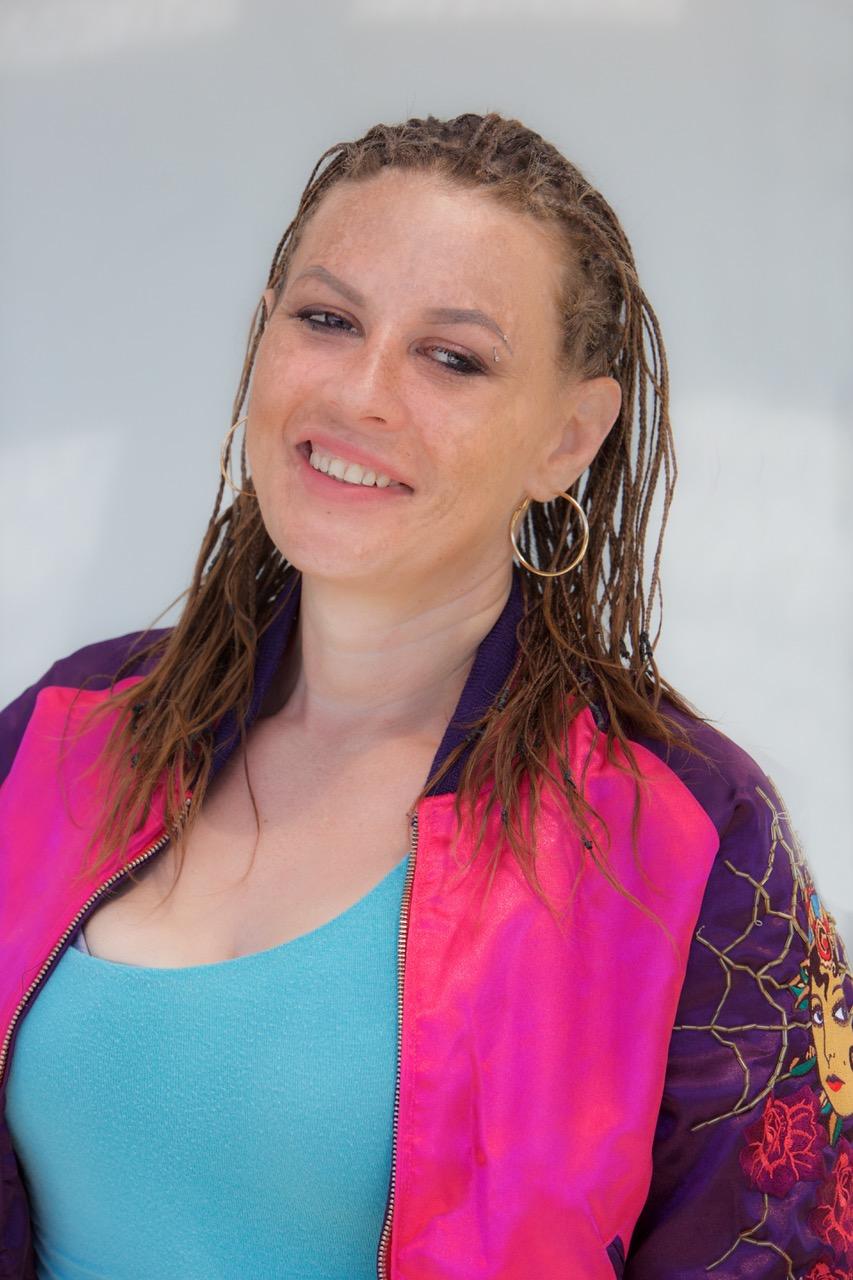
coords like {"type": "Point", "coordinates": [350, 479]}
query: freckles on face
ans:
{"type": "Point", "coordinates": [367, 350]}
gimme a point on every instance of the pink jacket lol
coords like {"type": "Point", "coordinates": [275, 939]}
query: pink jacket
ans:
{"type": "Point", "coordinates": [597, 1100]}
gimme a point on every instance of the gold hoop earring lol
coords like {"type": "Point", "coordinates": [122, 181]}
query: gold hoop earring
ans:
{"type": "Point", "coordinates": [518, 515]}
{"type": "Point", "coordinates": [223, 453]}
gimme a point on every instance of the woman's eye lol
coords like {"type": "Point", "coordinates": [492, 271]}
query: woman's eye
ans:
{"type": "Point", "coordinates": [465, 366]}
{"type": "Point", "coordinates": [840, 1012]}
{"type": "Point", "coordinates": [318, 320]}
{"type": "Point", "coordinates": [817, 1015]}
{"type": "Point", "coordinates": [313, 319]}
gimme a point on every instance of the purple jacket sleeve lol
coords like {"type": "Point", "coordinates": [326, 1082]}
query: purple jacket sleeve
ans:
{"type": "Point", "coordinates": [753, 1155]}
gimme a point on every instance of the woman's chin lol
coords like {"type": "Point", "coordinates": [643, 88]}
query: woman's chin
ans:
{"type": "Point", "coordinates": [335, 563]}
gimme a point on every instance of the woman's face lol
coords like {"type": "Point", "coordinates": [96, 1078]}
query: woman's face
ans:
{"type": "Point", "coordinates": [365, 357]}
{"type": "Point", "coordinates": [832, 1031]}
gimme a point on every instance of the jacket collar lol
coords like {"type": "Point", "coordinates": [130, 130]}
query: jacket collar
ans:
{"type": "Point", "coordinates": [492, 665]}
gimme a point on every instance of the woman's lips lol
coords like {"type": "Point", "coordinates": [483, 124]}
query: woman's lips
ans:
{"type": "Point", "coordinates": [351, 455]}
{"type": "Point", "coordinates": [341, 490]}
{"type": "Point", "coordinates": [834, 1083]}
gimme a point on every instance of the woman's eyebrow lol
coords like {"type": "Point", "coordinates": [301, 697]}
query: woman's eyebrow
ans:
{"type": "Point", "coordinates": [435, 315]}
{"type": "Point", "coordinates": [466, 315]}
{"type": "Point", "coordinates": [345, 290]}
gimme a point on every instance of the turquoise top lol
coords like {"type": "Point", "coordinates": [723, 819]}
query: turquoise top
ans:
{"type": "Point", "coordinates": [225, 1121]}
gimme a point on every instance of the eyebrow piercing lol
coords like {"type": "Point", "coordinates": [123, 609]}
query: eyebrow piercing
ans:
{"type": "Point", "coordinates": [495, 355]}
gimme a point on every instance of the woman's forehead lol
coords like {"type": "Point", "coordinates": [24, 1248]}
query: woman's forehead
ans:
{"type": "Point", "coordinates": [417, 242]}
{"type": "Point", "coordinates": [435, 225]}
{"type": "Point", "coordinates": [836, 984]}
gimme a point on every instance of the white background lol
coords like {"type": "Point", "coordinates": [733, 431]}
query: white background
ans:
{"type": "Point", "coordinates": [152, 154]}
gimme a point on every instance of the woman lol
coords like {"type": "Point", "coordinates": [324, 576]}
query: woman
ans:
{"type": "Point", "coordinates": [431, 932]}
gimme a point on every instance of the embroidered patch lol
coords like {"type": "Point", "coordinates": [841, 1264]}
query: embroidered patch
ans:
{"type": "Point", "coordinates": [819, 988]}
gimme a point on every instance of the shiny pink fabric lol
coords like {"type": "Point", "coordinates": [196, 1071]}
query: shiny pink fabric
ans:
{"type": "Point", "coordinates": [43, 834]}
{"type": "Point", "coordinates": [533, 1057]}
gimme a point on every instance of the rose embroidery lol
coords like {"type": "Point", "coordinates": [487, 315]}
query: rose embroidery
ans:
{"type": "Point", "coordinates": [823, 1271]}
{"type": "Point", "coordinates": [785, 1144]}
{"type": "Point", "coordinates": [832, 1217]}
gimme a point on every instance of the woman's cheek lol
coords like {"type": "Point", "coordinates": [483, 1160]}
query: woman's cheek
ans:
{"type": "Point", "coordinates": [264, 457]}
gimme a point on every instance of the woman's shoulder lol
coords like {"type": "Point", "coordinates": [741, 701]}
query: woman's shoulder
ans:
{"type": "Point", "coordinates": [722, 776]}
{"type": "Point", "coordinates": [760, 877]}
{"type": "Point", "coordinates": [93, 666]}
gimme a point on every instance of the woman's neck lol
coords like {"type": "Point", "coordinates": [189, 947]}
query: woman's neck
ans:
{"type": "Point", "coordinates": [385, 665]}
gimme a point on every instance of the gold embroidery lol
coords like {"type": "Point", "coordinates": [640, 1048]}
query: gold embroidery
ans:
{"type": "Point", "coordinates": [817, 955]}
{"type": "Point", "coordinates": [746, 1237]}
{"type": "Point", "coordinates": [765, 981]}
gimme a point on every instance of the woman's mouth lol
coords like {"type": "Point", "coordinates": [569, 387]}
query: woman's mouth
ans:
{"type": "Point", "coordinates": [834, 1083]}
{"type": "Point", "coordinates": [335, 476]}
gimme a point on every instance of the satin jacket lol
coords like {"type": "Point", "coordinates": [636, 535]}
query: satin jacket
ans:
{"type": "Point", "coordinates": [604, 1095]}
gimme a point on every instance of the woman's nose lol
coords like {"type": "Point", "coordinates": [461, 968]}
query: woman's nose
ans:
{"type": "Point", "coordinates": [829, 1050]}
{"type": "Point", "coordinates": [367, 384]}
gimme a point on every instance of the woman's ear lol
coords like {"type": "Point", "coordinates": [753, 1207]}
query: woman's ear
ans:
{"type": "Point", "coordinates": [589, 411]}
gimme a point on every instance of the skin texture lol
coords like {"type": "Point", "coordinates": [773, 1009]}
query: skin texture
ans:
{"type": "Point", "coordinates": [398, 594]}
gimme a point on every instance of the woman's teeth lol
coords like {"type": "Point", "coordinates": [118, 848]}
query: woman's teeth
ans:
{"type": "Point", "coordinates": [349, 472]}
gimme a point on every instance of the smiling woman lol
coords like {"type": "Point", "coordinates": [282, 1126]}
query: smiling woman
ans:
{"type": "Point", "coordinates": [365, 843]}
{"type": "Point", "coordinates": [360, 362]}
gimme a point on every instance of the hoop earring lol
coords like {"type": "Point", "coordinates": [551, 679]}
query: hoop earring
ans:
{"type": "Point", "coordinates": [517, 516]}
{"type": "Point", "coordinates": [223, 452]}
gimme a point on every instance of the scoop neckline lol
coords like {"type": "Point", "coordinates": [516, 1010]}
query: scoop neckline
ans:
{"type": "Point", "coordinates": [251, 955]}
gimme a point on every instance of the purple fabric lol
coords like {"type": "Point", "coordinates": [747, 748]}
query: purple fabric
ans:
{"type": "Point", "coordinates": [616, 1254]}
{"type": "Point", "coordinates": [748, 1145]}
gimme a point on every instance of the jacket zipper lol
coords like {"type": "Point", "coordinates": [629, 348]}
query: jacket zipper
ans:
{"type": "Point", "coordinates": [118, 875]}
{"type": "Point", "coordinates": [382, 1254]}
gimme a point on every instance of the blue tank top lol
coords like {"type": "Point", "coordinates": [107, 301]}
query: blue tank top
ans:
{"type": "Point", "coordinates": [215, 1122]}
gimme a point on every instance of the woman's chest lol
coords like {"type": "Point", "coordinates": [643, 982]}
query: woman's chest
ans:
{"type": "Point", "coordinates": [325, 837]}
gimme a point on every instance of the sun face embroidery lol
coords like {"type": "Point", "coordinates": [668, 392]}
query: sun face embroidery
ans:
{"type": "Point", "coordinates": [823, 988]}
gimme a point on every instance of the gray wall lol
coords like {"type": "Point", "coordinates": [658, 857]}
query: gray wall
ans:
{"type": "Point", "coordinates": [152, 154]}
